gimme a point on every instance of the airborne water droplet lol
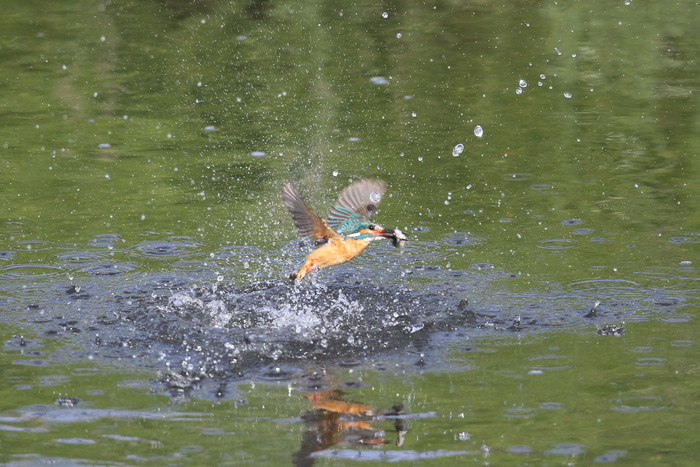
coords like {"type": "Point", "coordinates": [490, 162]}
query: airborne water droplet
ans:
{"type": "Point", "coordinates": [335, 173]}
{"type": "Point", "coordinates": [478, 131]}
{"type": "Point", "coordinates": [385, 15]}
{"type": "Point", "coordinates": [567, 95]}
{"type": "Point", "coordinates": [457, 150]}
{"type": "Point", "coordinates": [519, 91]}
{"type": "Point", "coordinates": [522, 83]}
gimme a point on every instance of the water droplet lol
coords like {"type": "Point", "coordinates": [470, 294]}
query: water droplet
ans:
{"type": "Point", "coordinates": [107, 176]}
{"type": "Point", "coordinates": [685, 263]}
{"type": "Point", "coordinates": [543, 76]}
{"type": "Point", "coordinates": [375, 197]}
{"type": "Point", "coordinates": [104, 145]}
{"type": "Point", "coordinates": [478, 131]}
{"type": "Point", "coordinates": [457, 150]}
{"type": "Point", "coordinates": [258, 154]}
{"type": "Point", "coordinates": [399, 35]}
{"type": "Point", "coordinates": [413, 114]}
{"type": "Point", "coordinates": [420, 158]}
{"type": "Point", "coordinates": [335, 173]}
{"type": "Point", "coordinates": [385, 15]}
{"type": "Point", "coordinates": [567, 94]}
{"type": "Point", "coordinates": [522, 83]}
{"type": "Point", "coordinates": [519, 91]}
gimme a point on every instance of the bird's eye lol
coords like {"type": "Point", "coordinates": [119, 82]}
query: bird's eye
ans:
{"type": "Point", "coordinates": [371, 227]}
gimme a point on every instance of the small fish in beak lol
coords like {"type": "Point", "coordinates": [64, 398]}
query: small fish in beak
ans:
{"type": "Point", "coordinates": [398, 239]}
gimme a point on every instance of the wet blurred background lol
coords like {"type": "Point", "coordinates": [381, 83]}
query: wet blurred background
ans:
{"type": "Point", "coordinates": [540, 155]}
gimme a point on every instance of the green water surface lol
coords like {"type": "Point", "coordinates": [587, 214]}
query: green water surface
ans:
{"type": "Point", "coordinates": [128, 125]}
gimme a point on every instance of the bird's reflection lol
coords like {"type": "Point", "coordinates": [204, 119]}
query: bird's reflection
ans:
{"type": "Point", "coordinates": [339, 422]}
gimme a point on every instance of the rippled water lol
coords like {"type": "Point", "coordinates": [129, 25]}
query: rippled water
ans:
{"type": "Point", "coordinates": [543, 310]}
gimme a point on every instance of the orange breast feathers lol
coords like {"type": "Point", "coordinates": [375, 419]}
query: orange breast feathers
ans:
{"type": "Point", "coordinates": [336, 251]}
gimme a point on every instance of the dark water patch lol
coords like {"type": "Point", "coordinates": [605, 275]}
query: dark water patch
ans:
{"type": "Point", "coordinates": [213, 321]}
{"type": "Point", "coordinates": [460, 239]}
{"type": "Point", "coordinates": [276, 321]}
{"type": "Point", "coordinates": [6, 255]}
{"type": "Point", "coordinates": [571, 222]}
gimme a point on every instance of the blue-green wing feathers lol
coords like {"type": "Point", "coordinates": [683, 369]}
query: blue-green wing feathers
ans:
{"type": "Point", "coordinates": [355, 206]}
{"type": "Point", "coordinates": [346, 221]}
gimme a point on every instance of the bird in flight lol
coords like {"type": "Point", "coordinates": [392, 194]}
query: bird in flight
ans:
{"type": "Point", "coordinates": [347, 231]}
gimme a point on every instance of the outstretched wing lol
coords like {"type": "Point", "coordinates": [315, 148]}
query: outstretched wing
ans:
{"type": "Point", "coordinates": [306, 222]}
{"type": "Point", "coordinates": [355, 206]}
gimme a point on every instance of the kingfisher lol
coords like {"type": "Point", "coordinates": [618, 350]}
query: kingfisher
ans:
{"type": "Point", "coordinates": [347, 231]}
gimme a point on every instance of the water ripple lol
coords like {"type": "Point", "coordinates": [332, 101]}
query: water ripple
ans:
{"type": "Point", "coordinates": [108, 269]}
{"type": "Point", "coordinates": [30, 271]}
{"type": "Point", "coordinates": [556, 244]}
{"type": "Point", "coordinates": [159, 249]}
{"type": "Point", "coordinates": [635, 404]}
{"type": "Point", "coordinates": [79, 257]}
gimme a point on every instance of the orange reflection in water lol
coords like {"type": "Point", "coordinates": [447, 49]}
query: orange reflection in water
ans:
{"type": "Point", "coordinates": [341, 422]}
